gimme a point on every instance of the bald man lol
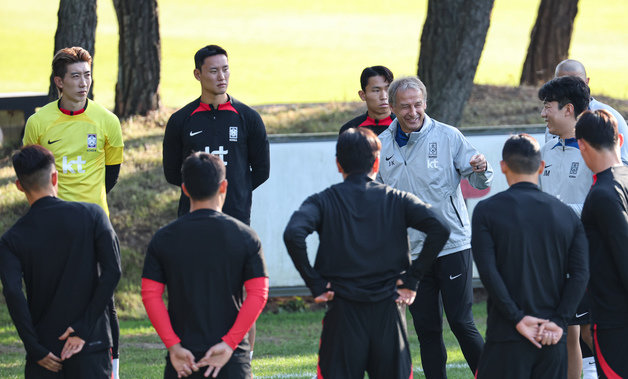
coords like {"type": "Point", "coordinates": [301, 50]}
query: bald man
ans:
{"type": "Point", "coordinates": [572, 67]}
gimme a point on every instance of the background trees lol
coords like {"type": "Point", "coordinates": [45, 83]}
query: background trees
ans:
{"type": "Point", "coordinates": [139, 49]}
{"type": "Point", "coordinates": [549, 40]}
{"type": "Point", "coordinates": [76, 26]}
{"type": "Point", "coordinates": [451, 45]}
{"type": "Point", "coordinates": [139, 57]}
{"type": "Point", "coordinates": [452, 41]}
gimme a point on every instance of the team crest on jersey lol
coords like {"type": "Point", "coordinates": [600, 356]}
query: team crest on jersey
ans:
{"type": "Point", "coordinates": [574, 169]}
{"type": "Point", "coordinates": [92, 142]}
{"type": "Point", "coordinates": [233, 133]}
{"type": "Point", "coordinates": [432, 150]}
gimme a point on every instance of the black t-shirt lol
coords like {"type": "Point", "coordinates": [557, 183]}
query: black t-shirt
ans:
{"type": "Point", "coordinates": [68, 255]}
{"type": "Point", "coordinates": [235, 133]}
{"type": "Point", "coordinates": [204, 258]}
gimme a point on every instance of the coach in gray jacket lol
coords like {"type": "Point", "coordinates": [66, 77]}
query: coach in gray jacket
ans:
{"type": "Point", "coordinates": [428, 158]}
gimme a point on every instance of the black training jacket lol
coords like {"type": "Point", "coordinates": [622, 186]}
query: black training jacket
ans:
{"type": "Point", "coordinates": [362, 228]}
{"type": "Point", "coordinates": [232, 131]}
{"type": "Point", "coordinates": [530, 250]}
{"type": "Point", "coordinates": [605, 219]}
{"type": "Point", "coordinates": [68, 255]}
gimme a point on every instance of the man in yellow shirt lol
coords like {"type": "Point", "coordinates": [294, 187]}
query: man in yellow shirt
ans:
{"type": "Point", "coordinates": [85, 139]}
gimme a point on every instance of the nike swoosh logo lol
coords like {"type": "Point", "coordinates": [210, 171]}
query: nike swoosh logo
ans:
{"type": "Point", "coordinates": [454, 277]}
{"type": "Point", "coordinates": [51, 142]}
{"type": "Point", "coordinates": [192, 134]}
{"type": "Point", "coordinates": [389, 158]}
{"type": "Point", "coordinates": [581, 314]}
{"type": "Point", "coordinates": [549, 165]}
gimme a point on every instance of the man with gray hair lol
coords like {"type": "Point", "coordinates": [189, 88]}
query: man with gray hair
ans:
{"type": "Point", "coordinates": [429, 158]}
{"type": "Point", "coordinates": [572, 67]}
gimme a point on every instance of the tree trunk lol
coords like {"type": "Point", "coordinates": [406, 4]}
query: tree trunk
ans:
{"type": "Point", "coordinates": [139, 55]}
{"type": "Point", "coordinates": [549, 40]}
{"type": "Point", "coordinates": [451, 45]}
{"type": "Point", "coordinates": [76, 26]}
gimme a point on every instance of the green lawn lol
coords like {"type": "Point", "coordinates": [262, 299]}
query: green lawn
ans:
{"type": "Point", "coordinates": [288, 52]}
{"type": "Point", "coordinates": [287, 346]}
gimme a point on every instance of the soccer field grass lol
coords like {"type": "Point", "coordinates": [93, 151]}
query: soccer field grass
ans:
{"type": "Point", "coordinates": [286, 347]}
{"type": "Point", "coordinates": [288, 52]}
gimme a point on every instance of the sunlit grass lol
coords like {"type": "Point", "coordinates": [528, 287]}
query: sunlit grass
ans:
{"type": "Point", "coordinates": [287, 346]}
{"type": "Point", "coordinates": [292, 52]}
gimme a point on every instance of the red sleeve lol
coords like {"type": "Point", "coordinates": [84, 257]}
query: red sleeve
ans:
{"type": "Point", "coordinates": [256, 296]}
{"type": "Point", "coordinates": [157, 312]}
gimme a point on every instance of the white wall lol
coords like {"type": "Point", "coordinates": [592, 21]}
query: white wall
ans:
{"type": "Point", "coordinates": [304, 165]}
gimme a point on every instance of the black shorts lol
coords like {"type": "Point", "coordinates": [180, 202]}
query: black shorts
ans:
{"type": "Point", "coordinates": [364, 337]}
{"type": "Point", "coordinates": [583, 314]}
{"type": "Point", "coordinates": [610, 347]}
{"type": "Point", "coordinates": [95, 365]}
{"type": "Point", "coordinates": [238, 367]}
{"type": "Point", "coordinates": [522, 360]}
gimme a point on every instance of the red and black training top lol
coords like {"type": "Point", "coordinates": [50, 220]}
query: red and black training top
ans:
{"type": "Point", "coordinates": [377, 126]}
{"type": "Point", "coordinates": [204, 258]}
{"type": "Point", "coordinates": [605, 219]}
{"type": "Point", "coordinates": [235, 133]}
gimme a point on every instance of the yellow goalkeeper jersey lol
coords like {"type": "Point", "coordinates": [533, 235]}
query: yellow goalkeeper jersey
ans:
{"type": "Point", "coordinates": [82, 143]}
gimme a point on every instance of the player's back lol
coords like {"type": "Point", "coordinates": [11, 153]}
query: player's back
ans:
{"type": "Point", "coordinates": [363, 236]}
{"type": "Point", "coordinates": [204, 258]}
{"type": "Point", "coordinates": [57, 243]}
{"type": "Point", "coordinates": [532, 244]}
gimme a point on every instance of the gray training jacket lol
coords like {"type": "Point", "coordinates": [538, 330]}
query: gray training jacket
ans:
{"type": "Point", "coordinates": [431, 166]}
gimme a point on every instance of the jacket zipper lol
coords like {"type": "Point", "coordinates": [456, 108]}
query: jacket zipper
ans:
{"type": "Point", "coordinates": [451, 199]}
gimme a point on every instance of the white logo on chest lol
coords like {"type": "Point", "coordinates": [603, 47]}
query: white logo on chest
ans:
{"type": "Point", "coordinates": [92, 141]}
{"type": "Point", "coordinates": [220, 153]}
{"type": "Point", "coordinates": [233, 133]}
{"type": "Point", "coordinates": [68, 166]}
{"type": "Point", "coordinates": [432, 163]}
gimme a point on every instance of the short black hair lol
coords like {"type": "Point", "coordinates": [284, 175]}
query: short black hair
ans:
{"type": "Point", "coordinates": [369, 72]}
{"type": "Point", "coordinates": [33, 165]}
{"type": "Point", "coordinates": [598, 128]}
{"type": "Point", "coordinates": [357, 149]}
{"type": "Point", "coordinates": [522, 154]}
{"type": "Point", "coordinates": [202, 174]}
{"type": "Point", "coordinates": [567, 90]}
{"type": "Point", "coordinates": [207, 51]}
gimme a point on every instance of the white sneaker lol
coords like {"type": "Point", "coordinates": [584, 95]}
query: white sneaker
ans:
{"type": "Point", "coordinates": [588, 368]}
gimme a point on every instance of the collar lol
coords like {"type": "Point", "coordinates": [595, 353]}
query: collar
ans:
{"type": "Point", "coordinates": [203, 212]}
{"type": "Point", "coordinates": [228, 106]}
{"type": "Point", "coordinates": [72, 113]}
{"type": "Point", "coordinates": [603, 174]}
{"type": "Point", "coordinates": [401, 137]}
{"type": "Point", "coordinates": [525, 185]}
{"type": "Point", "coordinates": [358, 178]}
{"type": "Point", "coordinates": [43, 201]}
{"type": "Point", "coordinates": [369, 121]}
{"type": "Point", "coordinates": [567, 142]}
